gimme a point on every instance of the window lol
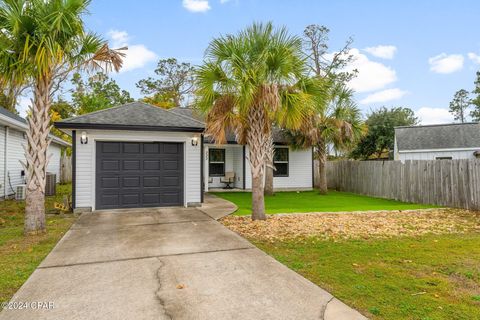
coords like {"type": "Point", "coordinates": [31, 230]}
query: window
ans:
{"type": "Point", "coordinates": [280, 161]}
{"type": "Point", "coordinates": [443, 158]}
{"type": "Point", "coordinates": [216, 162]}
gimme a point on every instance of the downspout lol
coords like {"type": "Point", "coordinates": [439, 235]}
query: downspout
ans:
{"type": "Point", "coordinates": [74, 168]}
{"type": "Point", "coordinates": [313, 169]}
{"type": "Point", "coordinates": [243, 168]}
{"type": "Point", "coordinates": [202, 169]}
{"type": "Point", "coordinates": [5, 160]}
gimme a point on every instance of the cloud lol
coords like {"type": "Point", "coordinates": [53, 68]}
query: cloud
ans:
{"type": "Point", "coordinates": [384, 96]}
{"type": "Point", "coordinates": [474, 57]}
{"type": "Point", "coordinates": [384, 52]}
{"type": "Point", "coordinates": [196, 5]}
{"type": "Point", "coordinates": [371, 75]}
{"type": "Point", "coordinates": [137, 55]}
{"type": "Point", "coordinates": [444, 63]}
{"type": "Point", "coordinates": [434, 115]}
{"type": "Point", "coordinates": [119, 38]}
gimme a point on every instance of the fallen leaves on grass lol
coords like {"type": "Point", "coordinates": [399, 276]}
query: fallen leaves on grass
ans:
{"type": "Point", "coordinates": [356, 225]}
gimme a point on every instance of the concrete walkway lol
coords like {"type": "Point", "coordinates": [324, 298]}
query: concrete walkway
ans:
{"type": "Point", "coordinates": [216, 207]}
{"type": "Point", "coordinates": [167, 264]}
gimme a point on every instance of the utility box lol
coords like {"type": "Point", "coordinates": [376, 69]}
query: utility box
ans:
{"type": "Point", "coordinates": [51, 184]}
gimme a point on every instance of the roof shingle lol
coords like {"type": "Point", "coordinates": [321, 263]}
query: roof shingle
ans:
{"type": "Point", "coordinates": [444, 136]}
{"type": "Point", "coordinates": [134, 114]}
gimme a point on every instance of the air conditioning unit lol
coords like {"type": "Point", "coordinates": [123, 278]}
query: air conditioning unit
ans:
{"type": "Point", "coordinates": [21, 191]}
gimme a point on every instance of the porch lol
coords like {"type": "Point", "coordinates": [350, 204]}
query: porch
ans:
{"type": "Point", "coordinates": [294, 168]}
{"type": "Point", "coordinates": [221, 160]}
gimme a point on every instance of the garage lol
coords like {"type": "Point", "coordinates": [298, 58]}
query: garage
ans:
{"type": "Point", "coordinates": [138, 174]}
{"type": "Point", "coordinates": [133, 156]}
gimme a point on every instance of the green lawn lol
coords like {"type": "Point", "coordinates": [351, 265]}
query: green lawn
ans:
{"type": "Point", "coordinates": [425, 278]}
{"type": "Point", "coordinates": [312, 201]}
{"type": "Point", "coordinates": [20, 255]}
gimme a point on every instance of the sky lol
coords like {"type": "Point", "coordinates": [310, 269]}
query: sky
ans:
{"type": "Point", "coordinates": [414, 54]}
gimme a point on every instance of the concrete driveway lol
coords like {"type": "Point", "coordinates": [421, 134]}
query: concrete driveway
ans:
{"type": "Point", "coordinates": [175, 263]}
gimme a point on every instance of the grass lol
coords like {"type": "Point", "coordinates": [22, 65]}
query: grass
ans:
{"type": "Point", "coordinates": [20, 255]}
{"type": "Point", "coordinates": [426, 278]}
{"type": "Point", "coordinates": [311, 201]}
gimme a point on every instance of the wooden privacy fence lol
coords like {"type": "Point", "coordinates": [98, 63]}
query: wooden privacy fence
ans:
{"type": "Point", "coordinates": [452, 183]}
{"type": "Point", "coordinates": [65, 169]}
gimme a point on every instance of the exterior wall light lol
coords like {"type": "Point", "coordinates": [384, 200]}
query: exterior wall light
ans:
{"type": "Point", "coordinates": [195, 141]}
{"type": "Point", "coordinates": [84, 138]}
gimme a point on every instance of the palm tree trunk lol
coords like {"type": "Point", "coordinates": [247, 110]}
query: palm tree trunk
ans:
{"type": "Point", "coordinates": [269, 167]}
{"type": "Point", "coordinates": [321, 150]}
{"type": "Point", "coordinates": [256, 138]}
{"type": "Point", "coordinates": [36, 156]}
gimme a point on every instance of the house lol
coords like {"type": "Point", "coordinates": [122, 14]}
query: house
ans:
{"type": "Point", "coordinates": [13, 135]}
{"type": "Point", "coordinates": [438, 142]}
{"type": "Point", "coordinates": [138, 155]}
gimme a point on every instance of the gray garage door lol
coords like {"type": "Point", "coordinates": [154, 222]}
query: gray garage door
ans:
{"type": "Point", "coordinates": [138, 174]}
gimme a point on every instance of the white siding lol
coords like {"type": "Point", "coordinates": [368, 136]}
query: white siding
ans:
{"type": "Point", "coordinates": [299, 171]}
{"type": "Point", "coordinates": [15, 153]}
{"type": "Point", "coordinates": [85, 161]}
{"type": "Point", "coordinates": [54, 163]}
{"type": "Point", "coordinates": [238, 166]}
{"type": "Point", "coordinates": [432, 155]}
{"type": "Point", "coordinates": [233, 162]}
{"type": "Point", "coordinates": [12, 177]}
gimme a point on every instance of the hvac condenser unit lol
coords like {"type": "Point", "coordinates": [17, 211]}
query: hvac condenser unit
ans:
{"type": "Point", "coordinates": [20, 192]}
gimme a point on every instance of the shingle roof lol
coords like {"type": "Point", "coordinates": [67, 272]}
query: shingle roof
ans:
{"type": "Point", "coordinates": [23, 126]}
{"type": "Point", "coordinates": [189, 112]}
{"type": "Point", "coordinates": [278, 136]}
{"type": "Point", "coordinates": [12, 115]}
{"type": "Point", "coordinates": [134, 114]}
{"type": "Point", "coordinates": [443, 136]}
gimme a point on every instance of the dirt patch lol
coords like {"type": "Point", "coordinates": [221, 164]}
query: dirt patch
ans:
{"type": "Point", "coordinates": [356, 225]}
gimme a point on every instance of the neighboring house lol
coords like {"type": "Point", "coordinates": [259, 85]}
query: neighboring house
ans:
{"type": "Point", "coordinates": [138, 155]}
{"type": "Point", "coordinates": [438, 142]}
{"type": "Point", "coordinates": [13, 135]}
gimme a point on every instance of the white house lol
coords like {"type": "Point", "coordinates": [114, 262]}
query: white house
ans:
{"type": "Point", "coordinates": [13, 130]}
{"type": "Point", "coordinates": [138, 155]}
{"type": "Point", "coordinates": [438, 142]}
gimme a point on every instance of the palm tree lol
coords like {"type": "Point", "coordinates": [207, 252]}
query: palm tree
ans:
{"type": "Point", "coordinates": [249, 81]}
{"type": "Point", "coordinates": [336, 123]}
{"type": "Point", "coordinates": [41, 42]}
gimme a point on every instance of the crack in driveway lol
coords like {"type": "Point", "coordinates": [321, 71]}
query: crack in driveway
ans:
{"type": "Point", "coordinates": [324, 308]}
{"type": "Point", "coordinates": [160, 276]}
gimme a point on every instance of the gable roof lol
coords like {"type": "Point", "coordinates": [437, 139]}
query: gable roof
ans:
{"type": "Point", "coordinates": [135, 115]}
{"type": "Point", "coordinates": [440, 136]}
{"type": "Point", "coordinates": [15, 121]}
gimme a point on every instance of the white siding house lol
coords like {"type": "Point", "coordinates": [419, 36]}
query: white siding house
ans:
{"type": "Point", "coordinates": [298, 177]}
{"type": "Point", "coordinates": [12, 138]}
{"type": "Point", "coordinates": [137, 155]}
{"type": "Point", "coordinates": [437, 142]}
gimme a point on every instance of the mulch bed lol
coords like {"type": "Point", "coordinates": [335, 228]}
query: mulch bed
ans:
{"type": "Point", "coordinates": [356, 225]}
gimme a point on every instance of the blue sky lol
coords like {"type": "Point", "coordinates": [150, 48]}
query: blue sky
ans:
{"type": "Point", "coordinates": [409, 53]}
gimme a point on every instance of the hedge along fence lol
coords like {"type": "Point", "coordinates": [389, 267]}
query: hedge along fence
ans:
{"type": "Point", "coordinates": [451, 183]}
